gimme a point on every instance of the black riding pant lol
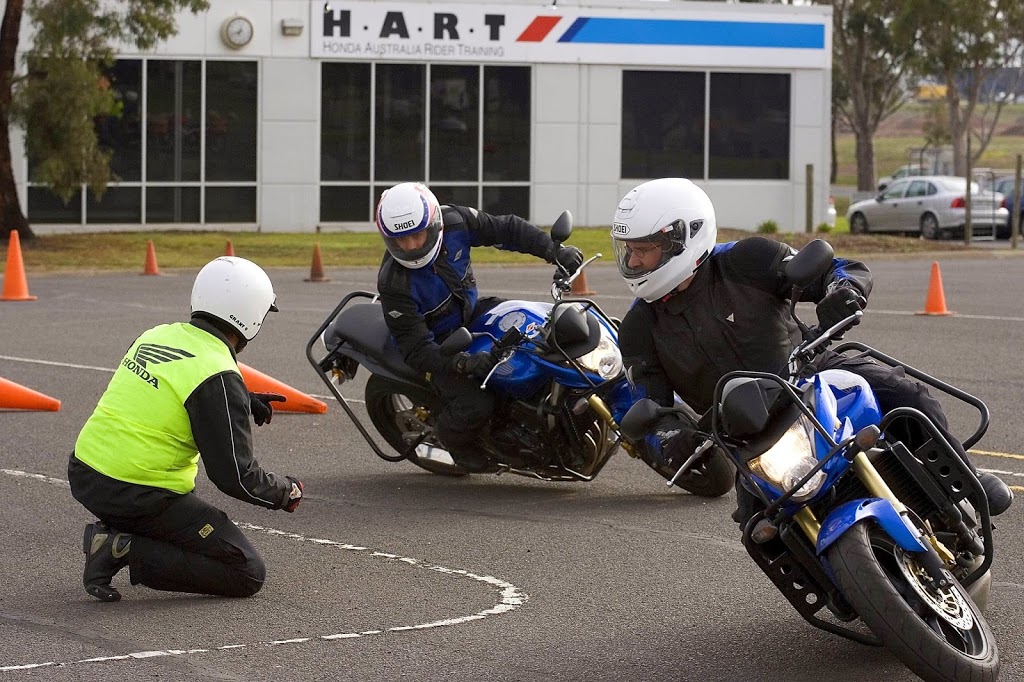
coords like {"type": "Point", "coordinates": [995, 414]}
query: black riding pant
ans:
{"type": "Point", "coordinates": [179, 542]}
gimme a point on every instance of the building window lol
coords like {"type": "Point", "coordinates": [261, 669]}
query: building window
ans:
{"type": "Point", "coordinates": [177, 156]}
{"type": "Point", "coordinates": [748, 136]}
{"type": "Point", "coordinates": [663, 125]}
{"type": "Point", "coordinates": [462, 129]}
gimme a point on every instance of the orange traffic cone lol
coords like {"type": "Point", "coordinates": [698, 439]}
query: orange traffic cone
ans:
{"type": "Point", "coordinates": [151, 266]}
{"type": "Point", "coordinates": [16, 397]}
{"type": "Point", "coordinates": [15, 284]}
{"type": "Point", "coordinates": [295, 401]}
{"type": "Point", "coordinates": [935, 304]}
{"type": "Point", "coordinates": [579, 286]}
{"type": "Point", "coordinates": [229, 250]}
{"type": "Point", "coordinates": [316, 271]}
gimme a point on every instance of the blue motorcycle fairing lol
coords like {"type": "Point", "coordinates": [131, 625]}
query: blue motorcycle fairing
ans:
{"type": "Point", "coordinates": [845, 516]}
{"type": "Point", "coordinates": [525, 373]}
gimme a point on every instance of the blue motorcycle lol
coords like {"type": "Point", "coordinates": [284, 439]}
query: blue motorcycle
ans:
{"type": "Point", "coordinates": [559, 384]}
{"type": "Point", "coordinates": [857, 515]}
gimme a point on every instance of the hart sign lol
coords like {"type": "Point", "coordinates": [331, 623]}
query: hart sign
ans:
{"type": "Point", "coordinates": [500, 33]}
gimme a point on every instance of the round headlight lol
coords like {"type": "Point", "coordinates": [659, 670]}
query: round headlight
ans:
{"type": "Point", "coordinates": [605, 360]}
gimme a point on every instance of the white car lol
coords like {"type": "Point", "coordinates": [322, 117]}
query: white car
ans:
{"type": "Point", "coordinates": [902, 172]}
{"type": "Point", "coordinates": [934, 205]}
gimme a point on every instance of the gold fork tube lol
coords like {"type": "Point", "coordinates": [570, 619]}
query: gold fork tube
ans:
{"type": "Point", "coordinates": [875, 484]}
{"type": "Point", "coordinates": [808, 523]}
{"type": "Point", "coordinates": [599, 406]}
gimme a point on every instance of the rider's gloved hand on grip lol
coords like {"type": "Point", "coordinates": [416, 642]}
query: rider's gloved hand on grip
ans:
{"type": "Point", "coordinates": [262, 410]}
{"type": "Point", "coordinates": [476, 365]}
{"type": "Point", "coordinates": [678, 439]}
{"type": "Point", "coordinates": [839, 304]}
{"type": "Point", "coordinates": [294, 495]}
{"type": "Point", "coordinates": [570, 258]}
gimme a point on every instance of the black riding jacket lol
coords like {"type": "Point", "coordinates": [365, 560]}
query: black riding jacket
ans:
{"type": "Point", "coordinates": [733, 316]}
{"type": "Point", "coordinates": [423, 306]}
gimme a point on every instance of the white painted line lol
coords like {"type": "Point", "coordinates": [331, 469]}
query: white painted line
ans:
{"type": "Point", "coordinates": [56, 364]}
{"type": "Point", "coordinates": [511, 597]}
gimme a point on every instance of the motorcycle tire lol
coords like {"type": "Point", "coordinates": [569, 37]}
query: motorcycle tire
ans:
{"type": "Point", "coordinates": [392, 408]}
{"type": "Point", "coordinates": [866, 565]}
{"type": "Point", "coordinates": [713, 476]}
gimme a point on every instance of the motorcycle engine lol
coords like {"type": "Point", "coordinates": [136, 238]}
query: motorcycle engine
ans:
{"type": "Point", "coordinates": [521, 437]}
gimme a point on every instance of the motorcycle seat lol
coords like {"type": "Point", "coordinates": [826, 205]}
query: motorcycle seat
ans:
{"type": "Point", "coordinates": [362, 327]}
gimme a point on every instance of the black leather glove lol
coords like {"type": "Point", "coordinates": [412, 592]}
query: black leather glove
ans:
{"type": "Point", "coordinates": [294, 496]}
{"type": "Point", "coordinates": [262, 410]}
{"type": "Point", "coordinates": [839, 304]}
{"type": "Point", "coordinates": [678, 440]}
{"type": "Point", "coordinates": [570, 258]}
{"type": "Point", "coordinates": [476, 365]}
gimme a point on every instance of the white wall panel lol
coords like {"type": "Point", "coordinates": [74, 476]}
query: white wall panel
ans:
{"type": "Point", "coordinates": [289, 208]}
{"type": "Point", "coordinates": [556, 153]}
{"type": "Point", "coordinates": [550, 200]}
{"type": "Point", "coordinates": [289, 152]}
{"type": "Point", "coordinates": [556, 93]}
{"type": "Point", "coordinates": [290, 90]}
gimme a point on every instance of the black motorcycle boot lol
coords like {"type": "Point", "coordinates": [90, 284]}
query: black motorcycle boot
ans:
{"type": "Point", "coordinates": [106, 553]}
{"type": "Point", "coordinates": [999, 495]}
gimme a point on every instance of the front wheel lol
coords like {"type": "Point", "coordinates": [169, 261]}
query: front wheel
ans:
{"type": "Point", "coordinates": [930, 226]}
{"type": "Point", "coordinates": [713, 476]}
{"type": "Point", "coordinates": [940, 634]}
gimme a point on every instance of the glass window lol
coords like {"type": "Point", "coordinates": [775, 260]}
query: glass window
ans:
{"type": "Point", "coordinates": [662, 124]}
{"type": "Point", "coordinates": [339, 204]}
{"type": "Point", "coordinates": [918, 188]}
{"type": "Point", "coordinates": [504, 200]}
{"type": "Point", "coordinates": [118, 205]}
{"type": "Point", "coordinates": [454, 122]}
{"type": "Point", "coordinates": [749, 126]}
{"type": "Point", "coordinates": [895, 191]}
{"type": "Point", "coordinates": [172, 205]}
{"type": "Point", "coordinates": [400, 113]}
{"type": "Point", "coordinates": [465, 195]}
{"type": "Point", "coordinates": [172, 120]}
{"type": "Point", "coordinates": [345, 122]}
{"type": "Point", "coordinates": [507, 114]}
{"type": "Point", "coordinates": [45, 207]}
{"type": "Point", "coordinates": [231, 94]}
{"type": "Point", "coordinates": [230, 204]}
{"type": "Point", "coordinates": [122, 134]}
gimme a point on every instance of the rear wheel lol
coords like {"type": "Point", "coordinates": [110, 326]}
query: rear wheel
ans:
{"type": "Point", "coordinates": [713, 476]}
{"type": "Point", "coordinates": [858, 224]}
{"type": "Point", "coordinates": [940, 634]}
{"type": "Point", "coordinates": [402, 414]}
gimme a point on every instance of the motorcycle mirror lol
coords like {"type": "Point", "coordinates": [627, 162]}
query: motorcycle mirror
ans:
{"type": "Point", "coordinates": [640, 419]}
{"type": "Point", "coordinates": [809, 263]}
{"type": "Point", "coordinates": [457, 341]}
{"type": "Point", "coordinates": [562, 228]}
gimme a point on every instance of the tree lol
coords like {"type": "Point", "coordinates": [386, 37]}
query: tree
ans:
{"type": "Point", "coordinates": [61, 91]}
{"type": "Point", "coordinates": [967, 44]}
{"type": "Point", "coordinates": [872, 59]}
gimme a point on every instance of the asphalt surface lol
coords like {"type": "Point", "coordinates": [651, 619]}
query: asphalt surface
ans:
{"type": "Point", "coordinates": [387, 572]}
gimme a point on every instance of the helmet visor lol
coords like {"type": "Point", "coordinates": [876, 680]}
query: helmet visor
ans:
{"type": "Point", "coordinates": [640, 257]}
{"type": "Point", "coordinates": [414, 245]}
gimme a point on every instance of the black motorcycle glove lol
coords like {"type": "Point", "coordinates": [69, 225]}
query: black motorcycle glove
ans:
{"type": "Point", "coordinates": [262, 410]}
{"type": "Point", "coordinates": [678, 440]}
{"type": "Point", "coordinates": [570, 258]}
{"type": "Point", "coordinates": [839, 304]}
{"type": "Point", "coordinates": [476, 365]}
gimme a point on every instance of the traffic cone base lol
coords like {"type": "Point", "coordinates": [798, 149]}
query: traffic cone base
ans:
{"type": "Point", "coordinates": [151, 267]}
{"type": "Point", "coordinates": [295, 401]}
{"type": "Point", "coordinates": [935, 303]}
{"type": "Point", "coordinates": [15, 284]}
{"type": "Point", "coordinates": [579, 286]}
{"type": "Point", "coordinates": [16, 397]}
{"type": "Point", "coordinates": [316, 270]}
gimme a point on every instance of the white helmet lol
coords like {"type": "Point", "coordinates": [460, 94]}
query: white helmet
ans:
{"type": "Point", "coordinates": [235, 291]}
{"type": "Point", "coordinates": [671, 219]}
{"type": "Point", "coordinates": [407, 209]}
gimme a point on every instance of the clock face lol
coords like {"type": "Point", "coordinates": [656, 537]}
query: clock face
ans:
{"type": "Point", "coordinates": [237, 32]}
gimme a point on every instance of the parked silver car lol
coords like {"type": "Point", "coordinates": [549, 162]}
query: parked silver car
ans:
{"type": "Point", "coordinates": [933, 205]}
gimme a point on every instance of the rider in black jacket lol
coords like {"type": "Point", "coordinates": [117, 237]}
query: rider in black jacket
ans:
{"type": "Point", "coordinates": [428, 290]}
{"type": "Point", "coordinates": [705, 309]}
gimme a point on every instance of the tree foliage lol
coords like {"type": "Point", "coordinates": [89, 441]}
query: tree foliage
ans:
{"type": "Point", "coordinates": [61, 90]}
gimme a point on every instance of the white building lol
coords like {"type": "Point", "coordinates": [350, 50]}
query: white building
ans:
{"type": "Point", "coordinates": [293, 115]}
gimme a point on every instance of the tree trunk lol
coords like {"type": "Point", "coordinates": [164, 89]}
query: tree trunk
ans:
{"type": "Point", "coordinates": [866, 181]}
{"type": "Point", "coordinates": [834, 172]}
{"type": "Point", "coordinates": [11, 215]}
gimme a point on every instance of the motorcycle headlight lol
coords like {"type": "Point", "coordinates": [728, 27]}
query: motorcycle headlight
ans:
{"type": "Point", "coordinates": [605, 360]}
{"type": "Point", "coordinates": [789, 460]}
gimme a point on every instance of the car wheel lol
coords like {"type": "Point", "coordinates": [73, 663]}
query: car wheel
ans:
{"type": "Point", "coordinates": [858, 224]}
{"type": "Point", "coordinates": [930, 226]}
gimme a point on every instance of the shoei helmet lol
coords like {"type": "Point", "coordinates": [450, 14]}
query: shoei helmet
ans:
{"type": "Point", "coordinates": [235, 291]}
{"type": "Point", "coordinates": [409, 219]}
{"type": "Point", "coordinates": [662, 230]}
